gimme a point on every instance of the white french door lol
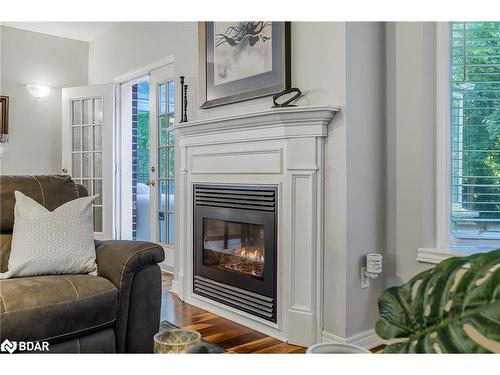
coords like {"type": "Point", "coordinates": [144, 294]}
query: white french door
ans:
{"type": "Point", "coordinates": [147, 159]}
{"type": "Point", "coordinates": [162, 159]}
{"type": "Point", "coordinates": [87, 148]}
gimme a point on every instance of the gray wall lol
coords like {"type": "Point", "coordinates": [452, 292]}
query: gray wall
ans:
{"type": "Point", "coordinates": [365, 119]}
{"type": "Point", "coordinates": [356, 203]}
{"type": "Point", "coordinates": [317, 67]}
{"type": "Point", "coordinates": [35, 124]}
{"type": "Point", "coordinates": [410, 139]}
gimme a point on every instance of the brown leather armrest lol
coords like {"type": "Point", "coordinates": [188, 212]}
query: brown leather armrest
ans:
{"type": "Point", "coordinates": [116, 258]}
{"type": "Point", "coordinates": [133, 267]}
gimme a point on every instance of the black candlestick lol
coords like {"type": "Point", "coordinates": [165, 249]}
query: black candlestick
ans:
{"type": "Point", "coordinates": [182, 97]}
{"type": "Point", "coordinates": [185, 102]}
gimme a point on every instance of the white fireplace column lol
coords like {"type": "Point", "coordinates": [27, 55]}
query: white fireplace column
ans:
{"type": "Point", "coordinates": [278, 147]}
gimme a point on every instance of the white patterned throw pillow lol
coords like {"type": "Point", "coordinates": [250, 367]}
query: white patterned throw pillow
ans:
{"type": "Point", "coordinates": [51, 242]}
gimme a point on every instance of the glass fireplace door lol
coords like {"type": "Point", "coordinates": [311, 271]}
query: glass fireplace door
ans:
{"type": "Point", "coordinates": [236, 247]}
{"type": "Point", "coordinates": [233, 246]}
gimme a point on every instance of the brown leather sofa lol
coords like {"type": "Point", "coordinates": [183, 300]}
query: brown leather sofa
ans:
{"type": "Point", "coordinates": [116, 311]}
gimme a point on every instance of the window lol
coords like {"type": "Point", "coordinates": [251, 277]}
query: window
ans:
{"type": "Point", "coordinates": [475, 133]}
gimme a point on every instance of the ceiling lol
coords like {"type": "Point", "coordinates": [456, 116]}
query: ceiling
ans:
{"type": "Point", "coordinates": [85, 31]}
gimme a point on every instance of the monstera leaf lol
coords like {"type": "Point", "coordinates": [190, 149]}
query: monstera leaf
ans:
{"type": "Point", "coordinates": [452, 308]}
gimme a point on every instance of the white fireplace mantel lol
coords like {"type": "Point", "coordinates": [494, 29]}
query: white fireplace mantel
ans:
{"type": "Point", "coordinates": [278, 147]}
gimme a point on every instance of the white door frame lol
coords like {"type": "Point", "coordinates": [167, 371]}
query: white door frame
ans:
{"type": "Point", "coordinates": [135, 74]}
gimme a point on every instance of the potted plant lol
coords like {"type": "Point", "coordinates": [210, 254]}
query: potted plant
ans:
{"type": "Point", "coordinates": [451, 308]}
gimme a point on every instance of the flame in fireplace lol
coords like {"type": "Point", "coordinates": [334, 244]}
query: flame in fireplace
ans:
{"type": "Point", "coordinates": [253, 255]}
{"type": "Point", "coordinates": [245, 260]}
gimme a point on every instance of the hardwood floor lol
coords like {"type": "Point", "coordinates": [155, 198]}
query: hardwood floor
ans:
{"type": "Point", "coordinates": [233, 337]}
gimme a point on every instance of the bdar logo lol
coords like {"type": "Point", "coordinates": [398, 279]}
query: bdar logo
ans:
{"type": "Point", "coordinates": [8, 346]}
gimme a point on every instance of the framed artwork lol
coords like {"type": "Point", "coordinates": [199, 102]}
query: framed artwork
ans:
{"type": "Point", "coordinates": [4, 119]}
{"type": "Point", "coordinates": [242, 60]}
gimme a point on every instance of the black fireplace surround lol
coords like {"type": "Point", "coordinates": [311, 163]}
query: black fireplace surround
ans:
{"type": "Point", "coordinates": [235, 228]}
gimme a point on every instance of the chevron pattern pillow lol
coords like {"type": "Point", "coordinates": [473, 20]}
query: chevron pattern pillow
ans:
{"type": "Point", "coordinates": [51, 242]}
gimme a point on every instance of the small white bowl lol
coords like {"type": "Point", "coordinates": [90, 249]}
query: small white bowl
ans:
{"type": "Point", "coordinates": [336, 348]}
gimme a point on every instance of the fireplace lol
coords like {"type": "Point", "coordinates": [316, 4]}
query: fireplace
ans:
{"type": "Point", "coordinates": [235, 247]}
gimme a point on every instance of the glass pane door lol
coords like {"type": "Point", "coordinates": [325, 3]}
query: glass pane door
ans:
{"type": "Point", "coordinates": [147, 158]}
{"type": "Point", "coordinates": [86, 152]}
{"type": "Point", "coordinates": [141, 194]}
{"type": "Point", "coordinates": [166, 159]}
{"type": "Point", "coordinates": [233, 246]}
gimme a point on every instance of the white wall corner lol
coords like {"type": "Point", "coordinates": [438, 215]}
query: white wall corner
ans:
{"type": "Point", "coordinates": [175, 287]}
{"type": "Point", "coordinates": [166, 267]}
{"type": "Point", "coordinates": [3, 148]}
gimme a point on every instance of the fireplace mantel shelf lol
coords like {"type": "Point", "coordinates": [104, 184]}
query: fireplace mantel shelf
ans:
{"type": "Point", "coordinates": [281, 148]}
{"type": "Point", "coordinates": [313, 120]}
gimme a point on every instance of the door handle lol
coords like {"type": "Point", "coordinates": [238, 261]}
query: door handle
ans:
{"type": "Point", "coordinates": [150, 183]}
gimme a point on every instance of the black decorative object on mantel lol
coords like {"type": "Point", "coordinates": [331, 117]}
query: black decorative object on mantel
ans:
{"type": "Point", "coordinates": [185, 103]}
{"type": "Point", "coordinates": [4, 119]}
{"type": "Point", "coordinates": [182, 97]}
{"type": "Point", "coordinates": [287, 102]}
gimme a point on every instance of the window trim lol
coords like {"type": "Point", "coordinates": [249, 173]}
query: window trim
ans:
{"type": "Point", "coordinates": [444, 248]}
{"type": "Point", "coordinates": [443, 134]}
{"type": "Point", "coordinates": [443, 149]}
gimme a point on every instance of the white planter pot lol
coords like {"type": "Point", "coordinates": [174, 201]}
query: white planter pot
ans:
{"type": "Point", "coordinates": [336, 348]}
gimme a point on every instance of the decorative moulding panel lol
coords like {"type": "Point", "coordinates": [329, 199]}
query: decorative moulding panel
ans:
{"type": "Point", "coordinates": [303, 241]}
{"type": "Point", "coordinates": [244, 162]}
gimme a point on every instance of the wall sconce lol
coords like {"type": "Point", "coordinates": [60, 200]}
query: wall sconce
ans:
{"type": "Point", "coordinates": [38, 91]}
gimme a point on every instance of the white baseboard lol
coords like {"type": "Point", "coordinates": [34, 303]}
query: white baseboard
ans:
{"type": "Point", "coordinates": [367, 339]}
{"type": "Point", "coordinates": [175, 287]}
{"type": "Point", "coordinates": [166, 267]}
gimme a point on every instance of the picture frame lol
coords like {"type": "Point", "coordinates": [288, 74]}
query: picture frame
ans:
{"type": "Point", "coordinates": [4, 119]}
{"type": "Point", "coordinates": [240, 61]}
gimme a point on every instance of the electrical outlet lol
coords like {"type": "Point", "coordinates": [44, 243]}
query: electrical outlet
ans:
{"type": "Point", "coordinates": [365, 280]}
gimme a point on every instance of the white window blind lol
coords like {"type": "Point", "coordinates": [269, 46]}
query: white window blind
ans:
{"type": "Point", "coordinates": [475, 130]}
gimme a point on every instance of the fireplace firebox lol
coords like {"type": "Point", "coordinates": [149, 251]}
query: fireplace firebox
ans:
{"type": "Point", "coordinates": [235, 247]}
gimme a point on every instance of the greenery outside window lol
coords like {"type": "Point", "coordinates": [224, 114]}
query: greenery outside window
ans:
{"type": "Point", "coordinates": [475, 134]}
